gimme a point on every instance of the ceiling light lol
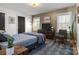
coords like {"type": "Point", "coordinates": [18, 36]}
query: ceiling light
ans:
{"type": "Point", "coordinates": [35, 4]}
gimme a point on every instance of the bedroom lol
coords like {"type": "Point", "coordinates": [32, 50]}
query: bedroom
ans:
{"type": "Point", "coordinates": [22, 21]}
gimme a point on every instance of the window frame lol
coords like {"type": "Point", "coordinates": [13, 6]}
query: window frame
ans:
{"type": "Point", "coordinates": [35, 26]}
{"type": "Point", "coordinates": [62, 14]}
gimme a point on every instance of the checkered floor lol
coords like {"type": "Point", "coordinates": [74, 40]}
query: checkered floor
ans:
{"type": "Point", "coordinates": [52, 48]}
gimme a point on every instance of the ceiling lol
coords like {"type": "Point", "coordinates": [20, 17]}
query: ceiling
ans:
{"type": "Point", "coordinates": [26, 8]}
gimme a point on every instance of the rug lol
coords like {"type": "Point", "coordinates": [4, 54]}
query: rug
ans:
{"type": "Point", "coordinates": [52, 48]}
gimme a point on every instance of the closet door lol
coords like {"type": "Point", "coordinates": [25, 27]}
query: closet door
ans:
{"type": "Point", "coordinates": [2, 21]}
{"type": "Point", "coordinates": [21, 24]}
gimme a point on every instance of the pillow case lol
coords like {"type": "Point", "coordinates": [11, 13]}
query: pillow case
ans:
{"type": "Point", "coordinates": [6, 36]}
{"type": "Point", "coordinates": [2, 38]}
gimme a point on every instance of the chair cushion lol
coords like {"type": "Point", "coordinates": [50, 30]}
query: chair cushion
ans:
{"type": "Point", "coordinates": [63, 32]}
{"type": "Point", "coordinates": [58, 35]}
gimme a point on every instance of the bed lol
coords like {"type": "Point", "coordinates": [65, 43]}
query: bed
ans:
{"type": "Point", "coordinates": [40, 37]}
{"type": "Point", "coordinates": [21, 39]}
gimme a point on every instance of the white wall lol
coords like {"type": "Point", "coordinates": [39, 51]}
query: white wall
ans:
{"type": "Point", "coordinates": [12, 28]}
{"type": "Point", "coordinates": [28, 24]}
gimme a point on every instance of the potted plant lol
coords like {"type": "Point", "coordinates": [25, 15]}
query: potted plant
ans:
{"type": "Point", "coordinates": [10, 48]}
{"type": "Point", "coordinates": [71, 33]}
{"type": "Point", "coordinates": [71, 30]}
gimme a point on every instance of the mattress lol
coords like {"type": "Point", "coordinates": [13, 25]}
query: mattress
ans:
{"type": "Point", "coordinates": [40, 36]}
{"type": "Point", "coordinates": [21, 39]}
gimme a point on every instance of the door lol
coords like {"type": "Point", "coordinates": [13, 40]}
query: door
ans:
{"type": "Point", "coordinates": [2, 21]}
{"type": "Point", "coordinates": [21, 24]}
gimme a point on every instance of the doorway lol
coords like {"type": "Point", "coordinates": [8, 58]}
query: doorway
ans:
{"type": "Point", "coordinates": [21, 24]}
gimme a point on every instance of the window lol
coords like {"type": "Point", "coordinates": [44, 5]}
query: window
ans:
{"type": "Point", "coordinates": [36, 23]}
{"type": "Point", "coordinates": [64, 21]}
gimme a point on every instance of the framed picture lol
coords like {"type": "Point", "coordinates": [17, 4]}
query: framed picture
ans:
{"type": "Point", "coordinates": [47, 19]}
{"type": "Point", "coordinates": [11, 20]}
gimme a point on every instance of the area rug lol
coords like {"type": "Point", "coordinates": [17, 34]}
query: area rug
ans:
{"type": "Point", "coordinates": [52, 48]}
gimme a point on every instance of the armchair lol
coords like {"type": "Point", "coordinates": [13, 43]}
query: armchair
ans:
{"type": "Point", "coordinates": [61, 36]}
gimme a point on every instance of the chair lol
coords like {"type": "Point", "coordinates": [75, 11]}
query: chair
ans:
{"type": "Point", "coordinates": [61, 36]}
